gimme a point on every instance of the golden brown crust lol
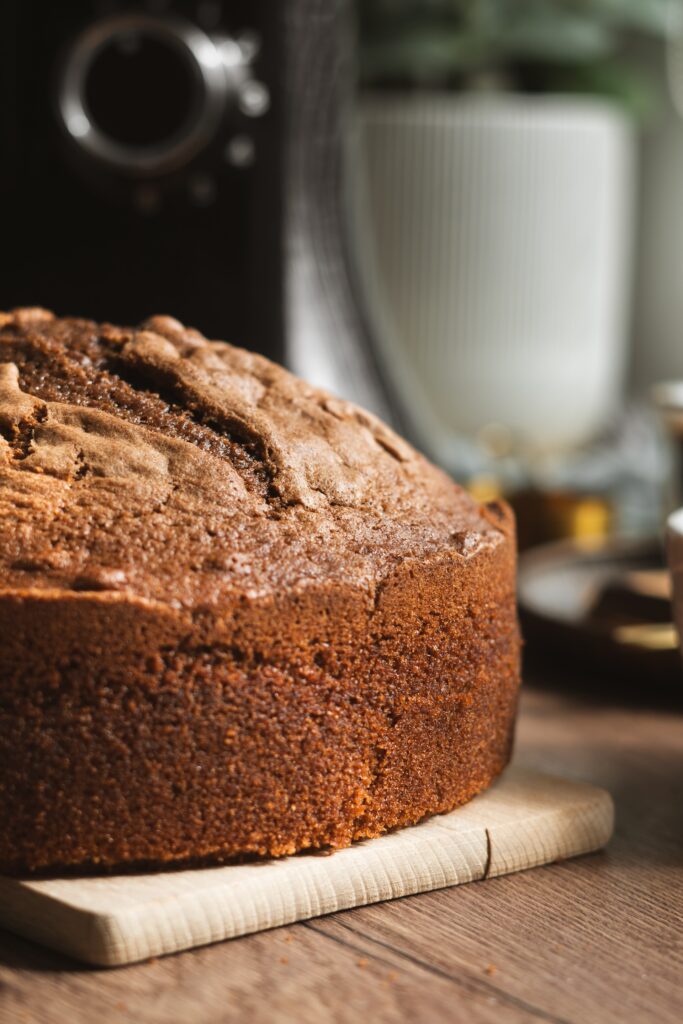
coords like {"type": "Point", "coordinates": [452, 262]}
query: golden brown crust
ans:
{"type": "Point", "coordinates": [236, 615]}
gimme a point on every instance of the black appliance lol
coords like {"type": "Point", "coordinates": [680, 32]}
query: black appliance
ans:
{"type": "Point", "coordinates": [141, 162]}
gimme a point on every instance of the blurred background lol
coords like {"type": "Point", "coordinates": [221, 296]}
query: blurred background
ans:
{"type": "Point", "coordinates": [464, 214]}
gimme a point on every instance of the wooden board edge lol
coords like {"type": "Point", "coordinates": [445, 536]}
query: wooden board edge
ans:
{"type": "Point", "coordinates": [82, 934]}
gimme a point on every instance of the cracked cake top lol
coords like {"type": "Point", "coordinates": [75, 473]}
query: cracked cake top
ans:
{"type": "Point", "coordinates": [156, 462]}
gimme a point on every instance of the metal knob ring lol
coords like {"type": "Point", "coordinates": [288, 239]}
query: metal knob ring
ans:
{"type": "Point", "coordinates": [143, 160]}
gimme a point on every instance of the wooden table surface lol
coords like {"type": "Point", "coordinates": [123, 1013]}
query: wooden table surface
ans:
{"type": "Point", "coordinates": [597, 939]}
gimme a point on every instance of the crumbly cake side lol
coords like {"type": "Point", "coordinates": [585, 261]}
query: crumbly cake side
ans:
{"type": "Point", "coordinates": [237, 615]}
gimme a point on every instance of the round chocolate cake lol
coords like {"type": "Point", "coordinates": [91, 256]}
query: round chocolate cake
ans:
{"type": "Point", "coordinates": [237, 615]}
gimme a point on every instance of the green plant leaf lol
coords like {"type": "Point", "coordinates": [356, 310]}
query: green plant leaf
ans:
{"type": "Point", "coordinates": [422, 55]}
{"type": "Point", "coordinates": [655, 17]}
{"type": "Point", "coordinates": [556, 35]}
{"type": "Point", "coordinates": [630, 87]}
{"type": "Point", "coordinates": [531, 43]}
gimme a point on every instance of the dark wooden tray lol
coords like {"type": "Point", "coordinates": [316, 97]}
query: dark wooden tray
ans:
{"type": "Point", "coordinates": [605, 605]}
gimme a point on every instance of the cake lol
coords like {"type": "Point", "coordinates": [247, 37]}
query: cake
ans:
{"type": "Point", "coordinates": [238, 616]}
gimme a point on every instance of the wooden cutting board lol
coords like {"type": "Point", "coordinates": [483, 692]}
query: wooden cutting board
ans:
{"type": "Point", "coordinates": [524, 820]}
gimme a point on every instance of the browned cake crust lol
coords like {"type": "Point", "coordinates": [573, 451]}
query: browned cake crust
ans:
{"type": "Point", "coordinates": [237, 615]}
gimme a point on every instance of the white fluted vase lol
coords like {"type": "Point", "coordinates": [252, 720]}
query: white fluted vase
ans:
{"type": "Point", "coordinates": [494, 245]}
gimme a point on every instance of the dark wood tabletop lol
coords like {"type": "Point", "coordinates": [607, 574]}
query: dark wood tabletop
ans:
{"type": "Point", "coordinates": [595, 939]}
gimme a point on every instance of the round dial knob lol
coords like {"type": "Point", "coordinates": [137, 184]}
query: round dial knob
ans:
{"type": "Point", "coordinates": [143, 94]}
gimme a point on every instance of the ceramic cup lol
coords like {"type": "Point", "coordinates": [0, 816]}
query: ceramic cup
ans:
{"type": "Point", "coordinates": [674, 546]}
